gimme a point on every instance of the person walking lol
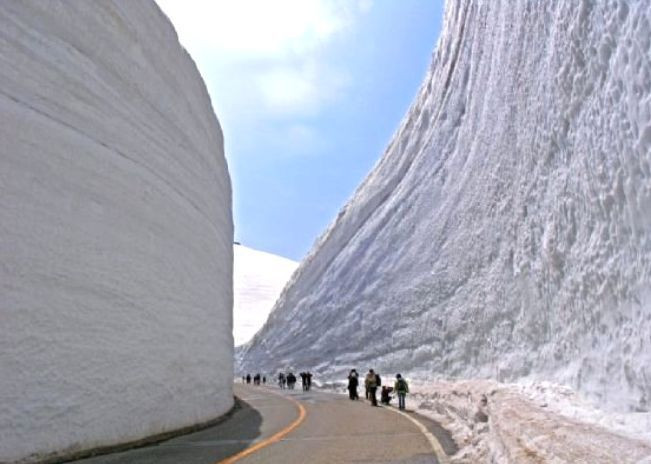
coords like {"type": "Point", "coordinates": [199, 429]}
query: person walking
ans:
{"type": "Point", "coordinates": [248, 378]}
{"type": "Point", "coordinates": [366, 389]}
{"type": "Point", "coordinates": [291, 380]}
{"type": "Point", "coordinates": [353, 382]}
{"type": "Point", "coordinates": [402, 388]}
{"type": "Point", "coordinates": [308, 376]}
{"type": "Point", "coordinates": [371, 385]}
{"type": "Point", "coordinates": [281, 381]}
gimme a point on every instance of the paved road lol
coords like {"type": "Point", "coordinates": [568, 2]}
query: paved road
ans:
{"type": "Point", "coordinates": [333, 430]}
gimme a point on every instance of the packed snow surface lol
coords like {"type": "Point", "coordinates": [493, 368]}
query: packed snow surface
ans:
{"type": "Point", "coordinates": [530, 424]}
{"type": "Point", "coordinates": [506, 231]}
{"type": "Point", "coordinates": [115, 231]}
{"type": "Point", "coordinates": [258, 279]}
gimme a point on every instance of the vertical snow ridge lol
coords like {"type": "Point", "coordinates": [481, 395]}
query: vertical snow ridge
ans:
{"type": "Point", "coordinates": [504, 232]}
{"type": "Point", "coordinates": [116, 231]}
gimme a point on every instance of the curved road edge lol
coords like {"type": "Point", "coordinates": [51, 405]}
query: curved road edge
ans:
{"type": "Point", "coordinates": [272, 439]}
{"type": "Point", "coordinates": [435, 438]}
{"type": "Point", "coordinates": [150, 440]}
{"type": "Point", "coordinates": [439, 452]}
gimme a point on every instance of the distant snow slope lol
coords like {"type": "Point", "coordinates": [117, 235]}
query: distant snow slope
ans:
{"type": "Point", "coordinates": [258, 279]}
{"type": "Point", "coordinates": [506, 231]}
{"type": "Point", "coordinates": [115, 231]}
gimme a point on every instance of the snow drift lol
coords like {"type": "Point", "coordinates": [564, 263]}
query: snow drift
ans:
{"type": "Point", "coordinates": [506, 231]}
{"type": "Point", "coordinates": [115, 231]}
{"type": "Point", "coordinates": [258, 279]}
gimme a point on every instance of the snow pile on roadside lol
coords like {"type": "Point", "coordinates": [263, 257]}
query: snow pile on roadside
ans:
{"type": "Point", "coordinates": [533, 423]}
{"type": "Point", "coordinates": [258, 279]}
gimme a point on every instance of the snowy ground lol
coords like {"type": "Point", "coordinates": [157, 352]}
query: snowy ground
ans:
{"type": "Point", "coordinates": [258, 280]}
{"type": "Point", "coordinates": [538, 423]}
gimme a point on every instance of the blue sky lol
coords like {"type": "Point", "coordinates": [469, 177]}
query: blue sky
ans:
{"type": "Point", "coordinates": [308, 94]}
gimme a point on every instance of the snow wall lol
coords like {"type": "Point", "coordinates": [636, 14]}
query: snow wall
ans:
{"type": "Point", "coordinates": [115, 231]}
{"type": "Point", "coordinates": [506, 231]}
{"type": "Point", "coordinates": [258, 279]}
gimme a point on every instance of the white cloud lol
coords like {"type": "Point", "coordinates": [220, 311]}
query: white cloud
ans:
{"type": "Point", "coordinates": [365, 5]}
{"type": "Point", "coordinates": [287, 89]}
{"type": "Point", "coordinates": [264, 59]}
{"type": "Point", "coordinates": [300, 89]}
{"type": "Point", "coordinates": [255, 28]}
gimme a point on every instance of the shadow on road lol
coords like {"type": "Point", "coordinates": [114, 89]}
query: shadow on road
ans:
{"type": "Point", "coordinates": [235, 432]}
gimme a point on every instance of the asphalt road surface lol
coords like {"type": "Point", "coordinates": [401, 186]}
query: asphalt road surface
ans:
{"type": "Point", "coordinates": [292, 426]}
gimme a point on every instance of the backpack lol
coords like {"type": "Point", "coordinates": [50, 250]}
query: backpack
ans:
{"type": "Point", "coordinates": [378, 380]}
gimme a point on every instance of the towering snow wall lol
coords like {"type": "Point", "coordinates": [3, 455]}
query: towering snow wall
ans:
{"type": "Point", "coordinates": [506, 231]}
{"type": "Point", "coordinates": [115, 231]}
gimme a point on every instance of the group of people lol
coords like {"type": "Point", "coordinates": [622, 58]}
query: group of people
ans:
{"type": "Point", "coordinates": [371, 383]}
{"type": "Point", "coordinates": [286, 380]}
{"type": "Point", "coordinates": [257, 378]}
{"type": "Point", "coordinates": [289, 380]}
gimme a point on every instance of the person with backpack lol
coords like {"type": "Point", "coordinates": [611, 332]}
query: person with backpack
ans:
{"type": "Point", "coordinates": [402, 388]}
{"type": "Point", "coordinates": [371, 386]}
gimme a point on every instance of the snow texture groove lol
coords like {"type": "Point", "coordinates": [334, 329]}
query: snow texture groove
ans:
{"type": "Point", "coordinates": [505, 233]}
{"type": "Point", "coordinates": [115, 231]}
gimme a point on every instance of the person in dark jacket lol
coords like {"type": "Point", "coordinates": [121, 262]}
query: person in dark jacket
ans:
{"type": "Point", "coordinates": [291, 380]}
{"type": "Point", "coordinates": [353, 382]}
{"type": "Point", "coordinates": [385, 395]}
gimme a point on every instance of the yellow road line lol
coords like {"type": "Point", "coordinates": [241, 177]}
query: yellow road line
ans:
{"type": "Point", "coordinates": [272, 439]}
